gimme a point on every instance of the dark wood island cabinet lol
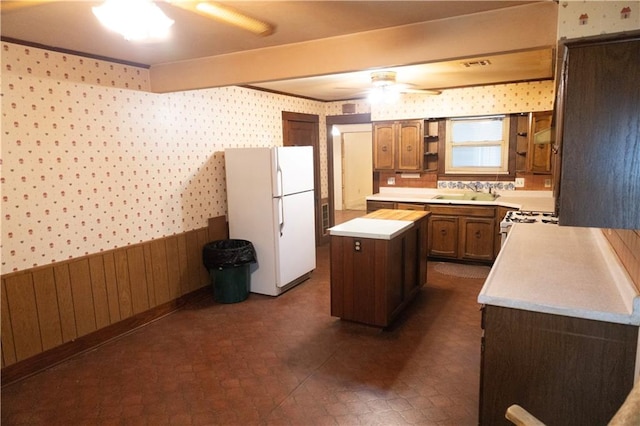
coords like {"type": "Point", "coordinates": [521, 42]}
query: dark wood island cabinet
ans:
{"type": "Point", "coordinates": [378, 266]}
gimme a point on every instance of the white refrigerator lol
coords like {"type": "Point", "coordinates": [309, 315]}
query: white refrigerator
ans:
{"type": "Point", "coordinates": [270, 202]}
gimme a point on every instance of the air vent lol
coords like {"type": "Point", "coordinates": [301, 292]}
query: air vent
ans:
{"type": "Point", "coordinates": [325, 219]}
{"type": "Point", "coordinates": [481, 63]}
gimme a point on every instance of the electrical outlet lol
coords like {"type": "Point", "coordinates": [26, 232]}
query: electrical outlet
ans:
{"type": "Point", "coordinates": [547, 183]}
{"type": "Point", "coordinates": [519, 182]}
{"type": "Point", "coordinates": [391, 181]}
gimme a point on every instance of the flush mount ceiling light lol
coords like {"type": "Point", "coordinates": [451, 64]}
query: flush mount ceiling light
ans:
{"type": "Point", "coordinates": [134, 19]}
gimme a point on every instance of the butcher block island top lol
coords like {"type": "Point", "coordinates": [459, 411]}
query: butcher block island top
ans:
{"type": "Point", "coordinates": [378, 264]}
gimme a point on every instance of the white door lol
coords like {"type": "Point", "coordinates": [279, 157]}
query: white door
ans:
{"type": "Point", "coordinates": [295, 236]}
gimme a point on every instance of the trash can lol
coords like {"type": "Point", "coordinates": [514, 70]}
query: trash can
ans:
{"type": "Point", "coordinates": [228, 262]}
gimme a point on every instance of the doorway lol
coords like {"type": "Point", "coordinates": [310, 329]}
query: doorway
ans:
{"type": "Point", "coordinates": [353, 171]}
{"type": "Point", "coordinates": [303, 130]}
{"type": "Point", "coordinates": [329, 216]}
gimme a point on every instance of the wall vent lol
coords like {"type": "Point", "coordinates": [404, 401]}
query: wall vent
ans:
{"type": "Point", "coordinates": [325, 218]}
{"type": "Point", "coordinates": [480, 63]}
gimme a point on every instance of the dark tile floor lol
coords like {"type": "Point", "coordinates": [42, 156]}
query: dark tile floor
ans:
{"type": "Point", "coordinates": [273, 361]}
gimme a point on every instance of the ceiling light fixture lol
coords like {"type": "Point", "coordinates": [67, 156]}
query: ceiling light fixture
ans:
{"type": "Point", "coordinates": [134, 19]}
{"type": "Point", "coordinates": [384, 89]}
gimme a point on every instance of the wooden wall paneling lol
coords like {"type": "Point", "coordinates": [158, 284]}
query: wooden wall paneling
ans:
{"type": "Point", "coordinates": [194, 260]}
{"type": "Point", "coordinates": [80, 279]}
{"type": "Point", "coordinates": [218, 228]}
{"type": "Point", "coordinates": [65, 302]}
{"type": "Point", "coordinates": [99, 291]}
{"type": "Point", "coordinates": [124, 285]}
{"type": "Point", "coordinates": [44, 285]}
{"type": "Point", "coordinates": [626, 244]}
{"type": "Point", "coordinates": [148, 268]}
{"type": "Point", "coordinates": [21, 299]}
{"type": "Point", "coordinates": [52, 311]}
{"type": "Point", "coordinates": [8, 347]}
{"type": "Point", "coordinates": [203, 273]}
{"type": "Point", "coordinates": [174, 272]}
{"type": "Point", "coordinates": [184, 268]}
{"type": "Point", "coordinates": [138, 279]}
{"type": "Point", "coordinates": [111, 284]}
{"type": "Point", "coordinates": [158, 263]}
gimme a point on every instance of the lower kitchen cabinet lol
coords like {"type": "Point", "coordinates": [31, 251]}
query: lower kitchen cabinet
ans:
{"type": "Point", "coordinates": [476, 238]}
{"type": "Point", "coordinates": [443, 236]}
{"type": "Point", "coordinates": [563, 370]}
{"type": "Point", "coordinates": [462, 232]}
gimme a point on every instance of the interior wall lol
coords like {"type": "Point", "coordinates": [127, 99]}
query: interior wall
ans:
{"type": "Point", "coordinates": [89, 164]}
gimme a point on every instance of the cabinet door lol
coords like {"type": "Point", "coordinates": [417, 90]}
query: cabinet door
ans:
{"type": "Point", "coordinates": [539, 152]}
{"type": "Point", "coordinates": [410, 150]}
{"type": "Point", "coordinates": [443, 236]}
{"type": "Point", "coordinates": [383, 146]}
{"type": "Point", "coordinates": [476, 238]}
{"type": "Point", "coordinates": [601, 135]}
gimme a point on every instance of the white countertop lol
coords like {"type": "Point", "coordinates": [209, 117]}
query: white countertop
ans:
{"type": "Point", "coordinates": [541, 201]}
{"type": "Point", "coordinates": [562, 270]}
{"type": "Point", "coordinates": [379, 229]}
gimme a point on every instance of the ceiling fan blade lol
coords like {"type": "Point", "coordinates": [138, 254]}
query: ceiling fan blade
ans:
{"type": "Point", "coordinates": [227, 15]}
{"type": "Point", "coordinates": [8, 6]}
{"type": "Point", "coordinates": [421, 91]}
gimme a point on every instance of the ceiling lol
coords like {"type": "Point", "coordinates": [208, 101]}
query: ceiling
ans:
{"type": "Point", "coordinates": [70, 26]}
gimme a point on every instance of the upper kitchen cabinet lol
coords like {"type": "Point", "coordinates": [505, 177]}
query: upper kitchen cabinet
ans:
{"type": "Point", "coordinates": [598, 127]}
{"type": "Point", "coordinates": [533, 143]}
{"type": "Point", "coordinates": [398, 145]}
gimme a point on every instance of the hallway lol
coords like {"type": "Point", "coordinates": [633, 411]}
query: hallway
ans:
{"type": "Point", "coordinates": [274, 361]}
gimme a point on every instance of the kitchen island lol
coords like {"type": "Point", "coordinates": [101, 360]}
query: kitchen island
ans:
{"type": "Point", "coordinates": [378, 264]}
{"type": "Point", "coordinates": [560, 319]}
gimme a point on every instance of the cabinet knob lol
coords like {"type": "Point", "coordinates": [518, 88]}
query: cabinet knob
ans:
{"type": "Point", "coordinates": [443, 232]}
{"type": "Point", "coordinates": [384, 148]}
{"type": "Point", "coordinates": [409, 148]}
{"type": "Point", "coordinates": [478, 234]}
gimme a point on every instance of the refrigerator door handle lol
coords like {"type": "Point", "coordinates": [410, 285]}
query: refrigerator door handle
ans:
{"type": "Point", "coordinates": [281, 215]}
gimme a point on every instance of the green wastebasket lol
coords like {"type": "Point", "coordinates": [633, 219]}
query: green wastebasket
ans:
{"type": "Point", "coordinates": [229, 262]}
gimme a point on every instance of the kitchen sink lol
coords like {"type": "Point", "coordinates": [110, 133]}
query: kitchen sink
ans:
{"type": "Point", "coordinates": [468, 196]}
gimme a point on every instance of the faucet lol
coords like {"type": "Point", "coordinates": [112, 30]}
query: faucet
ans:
{"type": "Point", "coordinates": [473, 187]}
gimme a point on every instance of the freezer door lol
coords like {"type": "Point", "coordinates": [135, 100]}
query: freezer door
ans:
{"type": "Point", "coordinates": [293, 170]}
{"type": "Point", "coordinates": [295, 235]}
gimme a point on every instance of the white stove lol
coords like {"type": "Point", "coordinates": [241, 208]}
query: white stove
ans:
{"type": "Point", "coordinates": [528, 217]}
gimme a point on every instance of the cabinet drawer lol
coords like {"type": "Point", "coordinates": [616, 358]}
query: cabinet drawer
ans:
{"type": "Point", "coordinates": [458, 210]}
{"type": "Point", "coordinates": [410, 206]}
{"type": "Point", "coordinates": [372, 206]}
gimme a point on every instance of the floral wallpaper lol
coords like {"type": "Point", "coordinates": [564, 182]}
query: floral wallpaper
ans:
{"type": "Point", "coordinates": [91, 161]}
{"type": "Point", "coordinates": [494, 99]}
{"type": "Point", "coordinates": [587, 18]}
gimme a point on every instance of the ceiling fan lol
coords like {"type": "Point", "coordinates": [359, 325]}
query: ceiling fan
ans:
{"type": "Point", "coordinates": [209, 9]}
{"type": "Point", "coordinates": [386, 80]}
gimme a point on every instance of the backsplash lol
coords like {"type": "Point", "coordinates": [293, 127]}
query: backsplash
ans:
{"type": "Point", "coordinates": [477, 185]}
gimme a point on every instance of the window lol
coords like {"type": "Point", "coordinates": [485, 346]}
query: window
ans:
{"type": "Point", "coordinates": [478, 145]}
